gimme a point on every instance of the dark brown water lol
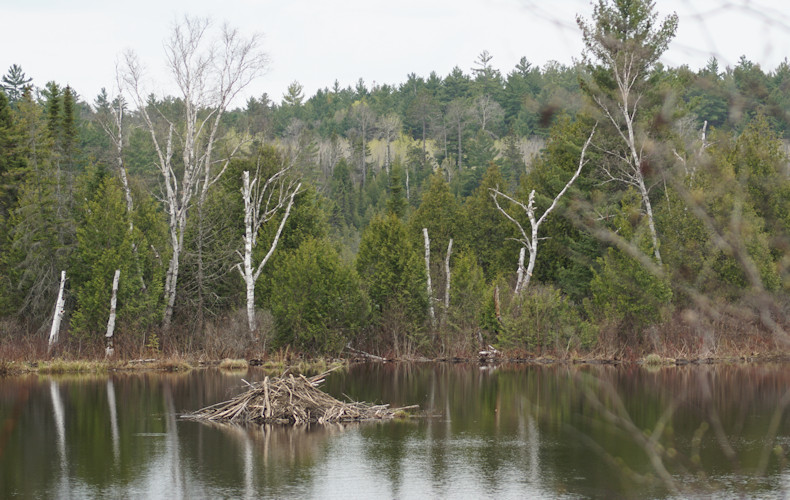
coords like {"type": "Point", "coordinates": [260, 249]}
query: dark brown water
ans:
{"type": "Point", "coordinates": [511, 432]}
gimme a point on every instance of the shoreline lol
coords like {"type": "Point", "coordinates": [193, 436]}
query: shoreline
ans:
{"type": "Point", "coordinates": [61, 366]}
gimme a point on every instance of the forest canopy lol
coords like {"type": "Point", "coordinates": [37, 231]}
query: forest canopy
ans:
{"type": "Point", "coordinates": [615, 204]}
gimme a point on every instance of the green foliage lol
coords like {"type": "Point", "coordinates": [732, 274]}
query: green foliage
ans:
{"type": "Point", "coordinates": [486, 232]}
{"type": "Point", "coordinates": [739, 188]}
{"type": "Point", "coordinates": [467, 295]}
{"type": "Point", "coordinates": [723, 223]}
{"type": "Point", "coordinates": [39, 237]}
{"type": "Point", "coordinates": [623, 291]}
{"type": "Point", "coordinates": [759, 160]}
{"type": "Point", "coordinates": [685, 241]}
{"type": "Point", "coordinates": [104, 244]}
{"type": "Point", "coordinates": [626, 32]}
{"type": "Point", "coordinates": [317, 301]}
{"type": "Point", "coordinates": [626, 294]}
{"type": "Point", "coordinates": [15, 82]}
{"type": "Point", "coordinates": [307, 221]}
{"type": "Point", "coordinates": [391, 270]}
{"type": "Point", "coordinates": [343, 213]}
{"type": "Point", "coordinates": [217, 228]}
{"type": "Point", "coordinates": [12, 159]}
{"type": "Point", "coordinates": [540, 318]}
{"type": "Point", "coordinates": [396, 202]}
{"type": "Point", "coordinates": [439, 213]}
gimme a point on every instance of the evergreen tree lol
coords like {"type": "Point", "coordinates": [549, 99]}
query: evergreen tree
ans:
{"type": "Point", "coordinates": [38, 244]}
{"type": "Point", "coordinates": [396, 201]}
{"type": "Point", "coordinates": [105, 244]}
{"type": "Point", "coordinates": [14, 83]}
{"type": "Point", "coordinates": [394, 276]}
{"type": "Point", "coordinates": [439, 213]}
{"type": "Point", "coordinates": [344, 197]}
{"type": "Point", "coordinates": [69, 134]}
{"type": "Point", "coordinates": [481, 153]}
{"type": "Point", "coordinates": [490, 236]}
{"type": "Point", "coordinates": [567, 252]}
{"type": "Point", "coordinates": [12, 160]}
{"type": "Point", "coordinates": [317, 301]}
{"type": "Point", "coordinates": [626, 295]}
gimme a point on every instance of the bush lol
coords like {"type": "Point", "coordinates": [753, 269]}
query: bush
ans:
{"type": "Point", "coordinates": [538, 318]}
{"type": "Point", "coordinates": [316, 299]}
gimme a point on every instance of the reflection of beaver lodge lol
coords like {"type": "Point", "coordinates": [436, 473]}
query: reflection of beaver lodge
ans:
{"type": "Point", "coordinates": [291, 400]}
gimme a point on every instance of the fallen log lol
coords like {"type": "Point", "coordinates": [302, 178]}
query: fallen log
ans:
{"type": "Point", "coordinates": [291, 400]}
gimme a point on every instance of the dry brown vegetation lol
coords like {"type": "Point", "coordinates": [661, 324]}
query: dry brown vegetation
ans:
{"type": "Point", "coordinates": [291, 400]}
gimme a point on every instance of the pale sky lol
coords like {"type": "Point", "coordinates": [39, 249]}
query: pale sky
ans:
{"type": "Point", "coordinates": [316, 42]}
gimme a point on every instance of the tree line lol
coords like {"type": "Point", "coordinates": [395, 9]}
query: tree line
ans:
{"type": "Point", "coordinates": [615, 204]}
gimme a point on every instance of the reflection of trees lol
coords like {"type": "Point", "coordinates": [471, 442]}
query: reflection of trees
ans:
{"type": "Point", "coordinates": [533, 424]}
{"type": "Point", "coordinates": [516, 430]}
{"type": "Point", "coordinates": [706, 428]}
{"type": "Point", "coordinates": [60, 427]}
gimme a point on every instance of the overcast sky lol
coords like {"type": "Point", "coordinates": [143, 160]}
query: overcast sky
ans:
{"type": "Point", "coordinates": [316, 42]}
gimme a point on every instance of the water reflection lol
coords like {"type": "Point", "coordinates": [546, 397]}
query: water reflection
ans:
{"type": "Point", "coordinates": [60, 427]}
{"type": "Point", "coordinates": [513, 432]}
{"type": "Point", "coordinates": [116, 445]}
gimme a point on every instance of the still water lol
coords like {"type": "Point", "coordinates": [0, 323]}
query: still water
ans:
{"type": "Point", "coordinates": [510, 432]}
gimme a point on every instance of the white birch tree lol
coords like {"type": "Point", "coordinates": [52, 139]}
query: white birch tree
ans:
{"type": "Point", "coordinates": [209, 74]}
{"type": "Point", "coordinates": [263, 199]}
{"type": "Point", "coordinates": [530, 239]}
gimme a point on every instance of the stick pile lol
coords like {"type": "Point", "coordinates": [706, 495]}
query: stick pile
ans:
{"type": "Point", "coordinates": [290, 400]}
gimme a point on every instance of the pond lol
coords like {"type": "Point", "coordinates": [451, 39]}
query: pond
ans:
{"type": "Point", "coordinates": [520, 431]}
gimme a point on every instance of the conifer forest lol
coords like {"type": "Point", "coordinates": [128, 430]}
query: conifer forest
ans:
{"type": "Point", "coordinates": [610, 206]}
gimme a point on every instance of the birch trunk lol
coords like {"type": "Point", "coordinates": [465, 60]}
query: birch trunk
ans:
{"type": "Point", "coordinates": [447, 281]}
{"type": "Point", "coordinates": [111, 322]}
{"type": "Point", "coordinates": [428, 274]}
{"type": "Point", "coordinates": [520, 270]}
{"type": "Point", "coordinates": [59, 311]}
{"type": "Point", "coordinates": [248, 273]}
{"type": "Point", "coordinates": [447, 275]}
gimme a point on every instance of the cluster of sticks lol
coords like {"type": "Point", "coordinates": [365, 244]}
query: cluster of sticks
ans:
{"type": "Point", "coordinates": [290, 400]}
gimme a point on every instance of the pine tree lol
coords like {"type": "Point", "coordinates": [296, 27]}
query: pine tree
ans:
{"type": "Point", "coordinates": [14, 83]}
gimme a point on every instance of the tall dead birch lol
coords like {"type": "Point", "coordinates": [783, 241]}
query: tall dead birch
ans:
{"type": "Point", "coordinates": [530, 241]}
{"type": "Point", "coordinates": [262, 200]}
{"type": "Point", "coordinates": [59, 311]}
{"type": "Point", "coordinates": [109, 339]}
{"type": "Point", "coordinates": [625, 41]}
{"type": "Point", "coordinates": [427, 241]}
{"type": "Point", "coordinates": [209, 74]}
{"type": "Point", "coordinates": [447, 280]}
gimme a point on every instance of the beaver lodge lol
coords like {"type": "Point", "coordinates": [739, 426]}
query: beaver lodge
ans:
{"type": "Point", "coordinates": [291, 400]}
